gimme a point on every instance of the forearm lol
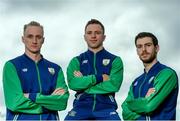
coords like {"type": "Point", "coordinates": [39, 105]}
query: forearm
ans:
{"type": "Point", "coordinates": [53, 102]}
{"type": "Point", "coordinates": [129, 114]}
{"type": "Point", "coordinates": [113, 82]}
{"type": "Point", "coordinates": [165, 82]}
{"type": "Point", "coordinates": [14, 98]}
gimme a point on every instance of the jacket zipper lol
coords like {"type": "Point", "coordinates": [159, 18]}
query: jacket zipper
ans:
{"type": "Point", "coordinates": [139, 95]}
{"type": "Point", "coordinates": [147, 117]}
{"type": "Point", "coordinates": [39, 81]}
{"type": "Point", "coordinates": [95, 71]}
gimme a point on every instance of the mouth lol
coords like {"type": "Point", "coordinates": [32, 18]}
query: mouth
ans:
{"type": "Point", "coordinates": [93, 41]}
{"type": "Point", "coordinates": [144, 55]}
{"type": "Point", "coordinates": [34, 46]}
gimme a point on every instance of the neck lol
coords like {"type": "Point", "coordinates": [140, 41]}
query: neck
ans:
{"type": "Point", "coordinates": [34, 56]}
{"type": "Point", "coordinates": [95, 50]}
{"type": "Point", "coordinates": [148, 66]}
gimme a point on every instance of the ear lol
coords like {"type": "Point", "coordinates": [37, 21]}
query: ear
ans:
{"type": "Point", "coordinates": [104, 37]}
{"type": "Point", "coordinates": [43, 40]}
{"type": "Point", "coordinates": [22, 39]}
{"type": "Point", "coordinates": [137, 51]}
{"type": "Point", "coordinates": [84, 37]}
{"type": "Point", "coordinates": [157, 48]}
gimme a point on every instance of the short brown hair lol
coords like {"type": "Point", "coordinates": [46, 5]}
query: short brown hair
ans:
{"type": "Point", "coordinates": [95, 21]}
{"type": "Point", "coordinates": [33, 23]}
{"type": "Point", "coordinates": [147, 34]}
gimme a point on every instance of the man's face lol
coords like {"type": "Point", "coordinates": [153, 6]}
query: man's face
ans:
{"type": "Point", "coordinates": [33, 39]}
{"type": "Point", "coordinates": [146, 50]}
{"type": "Point", "coordinates": [94, 36]}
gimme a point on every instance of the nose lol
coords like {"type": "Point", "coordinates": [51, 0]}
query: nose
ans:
{"type": "Point", "coordinates": [93, 35]}
{"type": "Point", "coordinates": [34, 40]}
{"type": "Point", "coordinates": [143, 48]}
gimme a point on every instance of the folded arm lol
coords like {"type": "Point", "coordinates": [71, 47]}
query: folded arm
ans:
{"type": "Point", "coordinates": [127, 113]}
{"type": "Point", "coordinates": [164, 83]}
{"type": "Point", "coordinates": [113, 82]}
{"type": "Point", "coordinates": [58, 99]}
{"type": "Point", "coordinates": [14, 97]}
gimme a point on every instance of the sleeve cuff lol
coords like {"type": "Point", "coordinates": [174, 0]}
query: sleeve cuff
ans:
{"type": "Point", "coordinates": [99, 79]}
{"type": "Point", "coordinates": [32, 96]}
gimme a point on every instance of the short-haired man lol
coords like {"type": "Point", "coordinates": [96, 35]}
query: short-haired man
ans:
{"type": "Point", "coordinates": [152, 95]}
{"type": "Point", "coordinates": [96, 75]}
{"type": "Point", "coordinates": [34, 88]}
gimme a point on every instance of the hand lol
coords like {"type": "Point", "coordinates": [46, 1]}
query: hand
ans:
{"type": "Point", "coordinates": [105, 77]}
{"type": "Point", "coordinates": [150, 91]}
{"type": "Point", "coordinates": [58, 91]}
{"type": "Point", "coordinates": [77, 74]}
{"type": "Point", "coordinates": [26, 95]}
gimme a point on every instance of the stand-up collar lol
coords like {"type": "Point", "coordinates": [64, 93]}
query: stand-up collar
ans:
{"type": "Point", "coordinates": [91, 52]}
{"type": "Point", "coordinates": [153, 68]}
{"type": "Point", "coordinates": [31, 60]}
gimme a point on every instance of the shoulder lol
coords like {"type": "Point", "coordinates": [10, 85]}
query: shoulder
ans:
{"type": "Point", "coordinates": [167, 72]}
{"type": "Point", "coordinates": [113, 57]}
{"type": "Point", "coordinates": [16, 59]}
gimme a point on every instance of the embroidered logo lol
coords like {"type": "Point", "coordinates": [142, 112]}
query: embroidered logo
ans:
{"type": "Point", "coordinates": [151, 79]}
{"type": "Point", "coordinates": [135, 84]}
{"type": "Point", "coordinates": [72, 113]}
{"type": "Point", "coordinates": [111, 98]}
{"type": "Point", "coordinates": [51, 71]}
{"type": "Point", "coordinates": [24, 70]}
{"type": "Point", "coordinates": [85, 61]}
{"type": "Point", "coordinates": [112, 113]}
{"type": "Point", "coordinates": [106, 62]}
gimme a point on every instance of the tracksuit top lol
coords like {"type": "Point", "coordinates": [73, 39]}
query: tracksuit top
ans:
{"type": "Point", "coordinates": [160, 105]}
{"type": "Point", "coordinates": [23, 75]}
{"type": "Point", "coordinates": [92, 93]}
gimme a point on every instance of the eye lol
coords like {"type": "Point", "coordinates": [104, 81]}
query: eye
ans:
{"type": "Point", "coordinates": [98, 32]}
{"type": "Point", "coordinates": [39, 37]}
{"type": "Point", "coordinates": [149, 44]}
{"type": "Point", "coordinates": [139, 46]}
{"type": "Point", "coordinates": [30, 36]}
{"type": "Point", "coordinates": [88, 32]}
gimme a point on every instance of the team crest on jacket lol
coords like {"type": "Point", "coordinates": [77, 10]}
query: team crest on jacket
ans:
{"type": "Point", "coordinates": [106, 62]}
{"type": "Point", "coordinates": [51, 70]}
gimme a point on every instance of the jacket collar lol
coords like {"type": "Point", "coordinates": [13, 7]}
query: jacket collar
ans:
{"type": "Point", "coordinates": [30, 60]}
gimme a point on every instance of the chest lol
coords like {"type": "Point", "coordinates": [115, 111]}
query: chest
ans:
{"type": "Point", "coordinates": [142, 85]}
{"type": "Point", "coordinates": [95, 65]}
{"type": "Point", "coordinates": [37, 78]}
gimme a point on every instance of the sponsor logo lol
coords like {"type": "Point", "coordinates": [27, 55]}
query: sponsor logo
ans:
{"type": "Point", "coordinates": [112, 113]}
{"type": "Point", "coordinates": [72, 113]}
{"type": "Point", "coordinates": [84, 61]}
{"type": "Point", "coordinates": [24, 70]}
{"type": "Point", "coordinates": [135, 84]}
